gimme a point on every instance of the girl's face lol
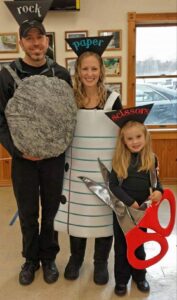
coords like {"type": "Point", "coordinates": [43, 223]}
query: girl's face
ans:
{"type": "Point", "coordinates": [134, 139]}
{"type": "Point", "coordinates": [89, 71]}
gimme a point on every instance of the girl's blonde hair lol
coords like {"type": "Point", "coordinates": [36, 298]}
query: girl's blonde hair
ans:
{"type": "Point", "coordinates": [79, 91]}
{"type": "Point", "coordinates": [122, 155]}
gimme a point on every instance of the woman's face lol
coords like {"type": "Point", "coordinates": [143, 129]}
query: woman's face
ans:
{"type": "Point", "coordinates": [89, 71]}
{"type": "Point", "coordinates": [134, 139]}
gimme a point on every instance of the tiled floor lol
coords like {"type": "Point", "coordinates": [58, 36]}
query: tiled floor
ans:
{"type": "Point", "coordinates": [162, 276]}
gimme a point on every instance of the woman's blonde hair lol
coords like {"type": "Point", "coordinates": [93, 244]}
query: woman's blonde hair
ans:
{"type": "Point", "coordinates": [122, 155]}
{"type": "Point", "coordinates": [79, 91]}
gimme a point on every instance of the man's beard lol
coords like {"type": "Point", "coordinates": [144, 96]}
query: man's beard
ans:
{"type": "Point", "coordinates": [36, 57]}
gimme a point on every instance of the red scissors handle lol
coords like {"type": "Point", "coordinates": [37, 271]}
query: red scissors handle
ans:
{"type": "Point", "coordinates": [136, 237]}
{"type": "Point", "coordinates": [150, 219]}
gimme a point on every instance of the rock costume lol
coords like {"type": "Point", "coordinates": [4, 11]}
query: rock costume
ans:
{"type": "Point", "coordinates": [41, 125]}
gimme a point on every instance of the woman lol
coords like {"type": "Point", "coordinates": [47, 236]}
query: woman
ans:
{"type": "Point", "coordinates": [93, 134]}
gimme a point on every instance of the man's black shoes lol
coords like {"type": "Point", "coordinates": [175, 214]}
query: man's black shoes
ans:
{"type": "Point", "coordinates": [50, 271]}
{"type": "Point", "coordinates": [27, 273]}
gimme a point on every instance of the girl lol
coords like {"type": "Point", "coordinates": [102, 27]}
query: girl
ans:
{"type": "Point", "coordinates": [130, 182]}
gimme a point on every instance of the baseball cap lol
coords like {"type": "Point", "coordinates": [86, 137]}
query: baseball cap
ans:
{"type": "Point", "coordinates": [27, 25]}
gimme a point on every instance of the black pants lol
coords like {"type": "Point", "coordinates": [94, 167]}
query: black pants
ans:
{"type": "Point", "coordinates": [122, 269]}
{"type": "Point", "coordinates": [102, 248]}
{"type": "Point", "coordinates": [35, 182]}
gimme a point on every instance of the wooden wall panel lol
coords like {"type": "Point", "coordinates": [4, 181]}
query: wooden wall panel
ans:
{"type": "Point", "coordinates": [5, 167]}
{"type": "Point", "coordinates": [166, 151]}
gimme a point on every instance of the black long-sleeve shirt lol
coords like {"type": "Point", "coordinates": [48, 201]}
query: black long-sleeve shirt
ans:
{"type": "Point", "coordinates": [136, 187]}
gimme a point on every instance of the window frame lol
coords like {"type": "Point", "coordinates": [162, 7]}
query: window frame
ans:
{"type": "Point", "coordinates": [135, 20]}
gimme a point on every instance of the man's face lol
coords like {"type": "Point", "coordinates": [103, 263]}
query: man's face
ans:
{"type": "Point", "coordinates": [35, 46]}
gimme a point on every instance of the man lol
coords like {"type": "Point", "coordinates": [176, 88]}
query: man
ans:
{"type": "Point", "coordinates": [32, 176]}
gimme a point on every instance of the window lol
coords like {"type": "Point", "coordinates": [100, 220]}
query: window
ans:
{"type": "Point", "coordinates": [152, 66]}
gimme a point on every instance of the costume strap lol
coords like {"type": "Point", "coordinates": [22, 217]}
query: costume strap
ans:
{"type": "Point", "coordinates": [13, 74]}
{"type": "Point", "coordinates": [49, 62]}
{"type": "Point", "coordinates": [110, 101]}
{"type": "Point", "coordinates": [153, 175]}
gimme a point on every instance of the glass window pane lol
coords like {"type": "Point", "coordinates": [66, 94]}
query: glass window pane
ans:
{"type": "Point", "coordinates": [156, 50]}
{"type": "Point", "coordinates": [164, 110]}
{"type": "Point", "coordinates": [156, 56]}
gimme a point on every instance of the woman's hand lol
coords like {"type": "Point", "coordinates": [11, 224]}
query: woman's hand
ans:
{"type": "Point", "coordinates": [135, 205]}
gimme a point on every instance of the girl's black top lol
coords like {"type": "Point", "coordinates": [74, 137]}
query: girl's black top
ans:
{"type": "Point", "coordinates": [136, 187]}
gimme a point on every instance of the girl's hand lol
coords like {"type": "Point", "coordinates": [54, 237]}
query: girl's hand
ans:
{"type": "Point", "coordinates": [135, 205]}
{"type": "Point", "coordinates": [155, 196]}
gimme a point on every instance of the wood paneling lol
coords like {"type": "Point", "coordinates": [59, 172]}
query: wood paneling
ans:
{"type": "Point", "coordinates": [131, 58]}
{"type": "Point", "coordinates": [165, 146]}
{"type": "Point", "coordinates": [166, 151]}
{"type": "Point", "coordinates": [5, 167]}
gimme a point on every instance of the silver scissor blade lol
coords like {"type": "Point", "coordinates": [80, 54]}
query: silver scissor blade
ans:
{"type": "Point", "coordinates": [104, 194]}
{"type": "Point", "coordinates": [104, 171]}
{"type": "Point", "coordinates": [135, 214]}
{"type": "Point", "coordinates": [127, 217]}
{"type": "Point", "coordinates": [101, 191]}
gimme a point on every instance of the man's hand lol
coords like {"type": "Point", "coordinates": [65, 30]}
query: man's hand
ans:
{"type": "Point", "coordinates": [31, 157]}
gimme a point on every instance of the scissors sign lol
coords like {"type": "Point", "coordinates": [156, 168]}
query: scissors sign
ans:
{"type": "Point", "coordinates": [133, 220]}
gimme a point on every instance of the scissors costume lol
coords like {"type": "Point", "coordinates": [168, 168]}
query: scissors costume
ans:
{"type": "Point", "coordinates": [130, 225]}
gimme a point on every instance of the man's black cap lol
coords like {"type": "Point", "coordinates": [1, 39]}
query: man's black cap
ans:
{"type": "Point", "coordinates": [27, 25]}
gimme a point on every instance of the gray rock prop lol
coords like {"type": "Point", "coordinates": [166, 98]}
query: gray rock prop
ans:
{"type": "Point", "coordinates": [42, 116]}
